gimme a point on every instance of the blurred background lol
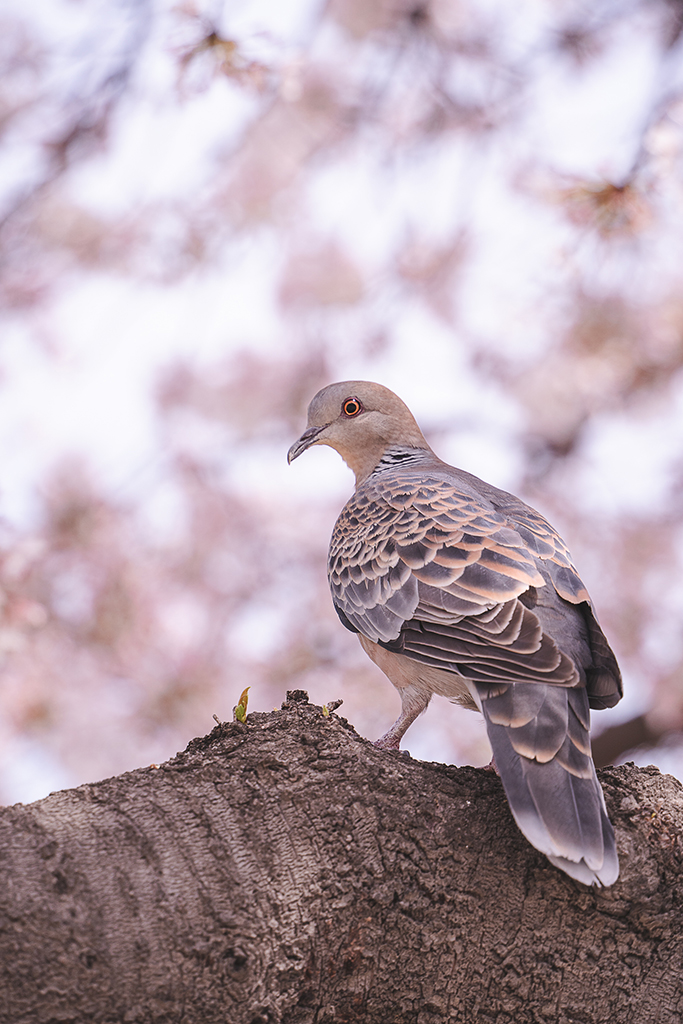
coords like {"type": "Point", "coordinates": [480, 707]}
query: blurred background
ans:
{"type": "Point", "coordinates": [210, 210]}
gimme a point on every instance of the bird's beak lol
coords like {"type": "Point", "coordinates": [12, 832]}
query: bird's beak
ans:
{"type": "Point", "coordinates": [305, 441]}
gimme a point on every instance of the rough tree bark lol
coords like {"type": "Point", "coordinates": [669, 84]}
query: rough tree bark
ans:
{"type": "Point", "coordinates": [288, 871]}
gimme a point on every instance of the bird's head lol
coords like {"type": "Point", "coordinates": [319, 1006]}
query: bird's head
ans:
{"type": "Point", "coordinates": [360, 420]}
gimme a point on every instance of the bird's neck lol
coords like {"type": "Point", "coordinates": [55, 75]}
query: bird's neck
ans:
{"type": "Point", "coordinates": [389, 457]}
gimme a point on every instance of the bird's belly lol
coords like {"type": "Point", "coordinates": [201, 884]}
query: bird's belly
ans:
{"type": "Point", "coordinates": [406, 672]}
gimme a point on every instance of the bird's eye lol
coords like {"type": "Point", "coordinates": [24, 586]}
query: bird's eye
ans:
{"type": "Point", "coordinates": [351, 407]}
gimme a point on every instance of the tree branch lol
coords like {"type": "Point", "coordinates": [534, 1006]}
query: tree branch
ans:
{"type": "Point", "coordinates": [619, 739]}
{"type": "Point", "coordinates": [288, 871]}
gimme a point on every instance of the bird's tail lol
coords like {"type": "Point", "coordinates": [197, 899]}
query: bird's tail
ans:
{"type": "Point", "coordinates": [540, 740]}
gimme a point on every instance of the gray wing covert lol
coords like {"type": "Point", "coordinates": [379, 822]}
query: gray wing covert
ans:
{"type": "Point", "coordinates": [603, 678]}
{"type": "Point", "coordinates": [431, 572]}
{"type": "Point", "coordinates": [400, 539]}
{"type": "Point", "coordinates": [546, 543]}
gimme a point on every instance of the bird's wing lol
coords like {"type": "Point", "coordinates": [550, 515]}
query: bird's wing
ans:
{"type": "Point", "coordinates": [603, 680]}
{"type": "Point", "coordinates": [430, 570]}
{"type": "Point", "coordinates": [397, 531]}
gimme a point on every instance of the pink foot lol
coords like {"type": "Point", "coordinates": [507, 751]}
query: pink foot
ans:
{"type": "Point", "coordinates": [387, 743]}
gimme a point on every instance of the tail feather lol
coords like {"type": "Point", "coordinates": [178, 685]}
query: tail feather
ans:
{"type": "Point", "coordinates": [558, 803]}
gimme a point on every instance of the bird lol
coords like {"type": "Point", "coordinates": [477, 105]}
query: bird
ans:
{"type": "Point", "coordinates": [457, 588]}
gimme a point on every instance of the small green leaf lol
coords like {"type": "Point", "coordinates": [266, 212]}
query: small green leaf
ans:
{"type": "Point", "coordinates": [240, 711]}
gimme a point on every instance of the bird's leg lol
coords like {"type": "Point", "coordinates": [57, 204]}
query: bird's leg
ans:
{"type": "Point", "coordinates": [414, 701]}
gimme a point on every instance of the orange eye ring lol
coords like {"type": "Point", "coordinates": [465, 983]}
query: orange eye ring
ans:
{"type": "Point", "coordinates": [351, 407]}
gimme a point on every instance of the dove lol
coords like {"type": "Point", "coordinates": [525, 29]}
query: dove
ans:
{"type": "Point", "coordinates": [460, 589]}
